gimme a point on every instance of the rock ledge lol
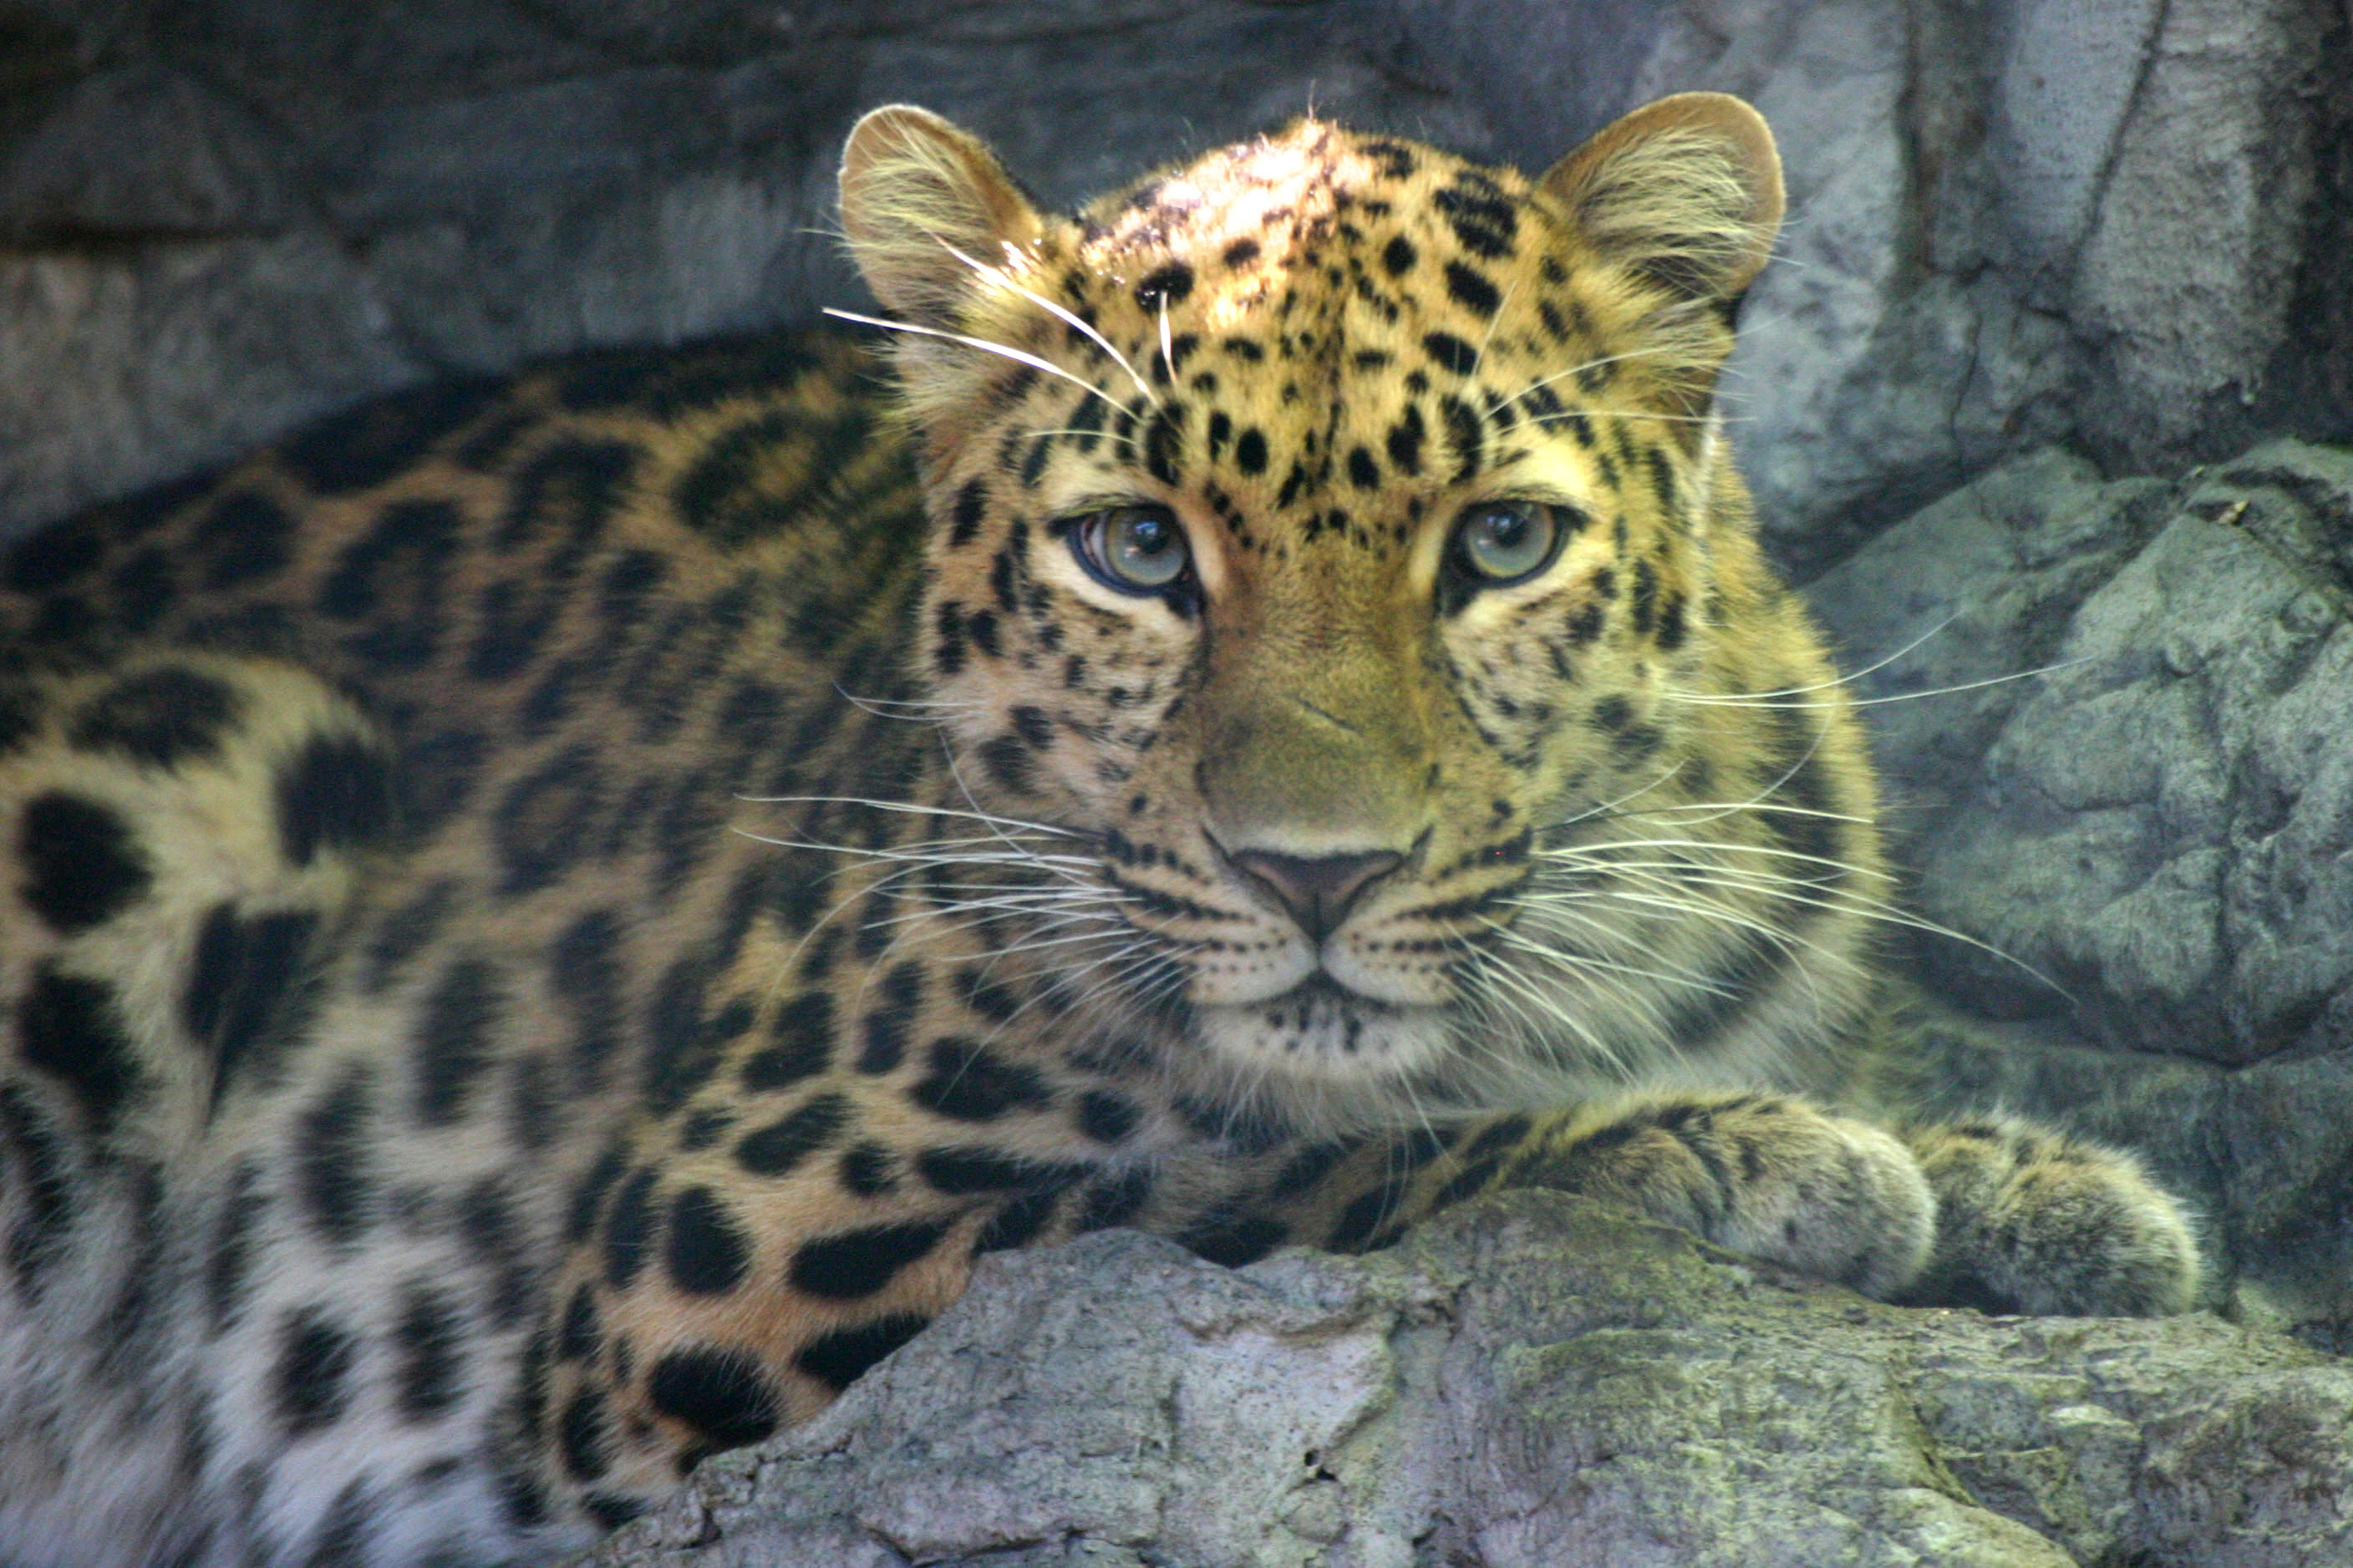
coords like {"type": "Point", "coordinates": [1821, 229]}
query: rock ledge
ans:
{"type": "Point", "coordinates": [1532, 1380]}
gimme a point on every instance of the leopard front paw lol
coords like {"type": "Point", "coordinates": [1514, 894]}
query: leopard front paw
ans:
{"type": "Point", "coordinates": [1761, 1175]}
{"type": "Point", "coordinates": [2034, 1222]}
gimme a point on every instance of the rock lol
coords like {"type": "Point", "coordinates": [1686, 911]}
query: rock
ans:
{"type": "Point", "coordinates": [140, 149]}
{"type": "Point", "coordinates": [2161, 820]}
{"type": "Point", "coordinates": [1529, 1380]}
{"type": "Point", "coordinates": [2182, 270]}
{"type": "Point", "coordinates": [2032, 221]}
{"type": "Point", "coordinates": [2166, 826]}
{"type": "Point", "coordinates": [2149, 843]}
{"type": "Point", "coordinates": [146, 362]}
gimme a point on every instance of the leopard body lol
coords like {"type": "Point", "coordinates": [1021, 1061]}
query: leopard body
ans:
{"type": "Point", "coordinates": [546, 923]}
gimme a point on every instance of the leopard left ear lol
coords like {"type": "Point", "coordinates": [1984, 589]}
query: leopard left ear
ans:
{"type": "Point", "coordinates": [916, 190]}
{"type": "Point", "coordinates": [1686, 190]}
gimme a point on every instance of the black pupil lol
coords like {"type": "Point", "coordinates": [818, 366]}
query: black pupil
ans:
{"type": "Point", "coordinates": [1147, 536]}
{"type": "Point", "coordinates": [1505, 529]}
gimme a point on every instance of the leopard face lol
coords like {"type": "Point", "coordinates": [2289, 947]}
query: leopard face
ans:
{"type": "Point", "coordinates": [1334, 543]}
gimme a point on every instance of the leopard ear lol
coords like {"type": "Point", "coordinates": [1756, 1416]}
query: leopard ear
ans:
{"type": "Point", "coordinates": [1686, 191]}
{"type": "Point", "coordinates": [915, 190]}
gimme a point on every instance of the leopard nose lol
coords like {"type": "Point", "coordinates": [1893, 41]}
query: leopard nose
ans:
{"type": "Point", "coordinates": [1317, 890]}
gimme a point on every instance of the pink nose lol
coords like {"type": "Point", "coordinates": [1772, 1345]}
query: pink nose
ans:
{"type": "Point", "coordinates": [1317, 892]}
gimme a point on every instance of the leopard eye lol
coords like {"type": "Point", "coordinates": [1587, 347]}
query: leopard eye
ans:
{"type": "Point", "coordinates": [1498, 543]}
{"type": "Point", "coordinates": [1138, 550]}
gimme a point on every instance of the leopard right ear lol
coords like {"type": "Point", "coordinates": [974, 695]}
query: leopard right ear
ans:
{"type": "Point", "coordinates": [1686, 190]}
{"type": "Point", "coordinates": [915, 191]}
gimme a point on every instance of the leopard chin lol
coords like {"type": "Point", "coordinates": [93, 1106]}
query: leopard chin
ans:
{"type": "Point", "coordinates": [1320, 1031]}
{"type": "Point", "coordinates": [1325, 1061]}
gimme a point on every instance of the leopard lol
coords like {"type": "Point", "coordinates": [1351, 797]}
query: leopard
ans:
{"type": "Point", "coordinates": [549, 922]}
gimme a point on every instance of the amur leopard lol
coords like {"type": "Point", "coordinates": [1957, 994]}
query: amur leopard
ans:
{"type": "Point", "coordinates": [547, 922]}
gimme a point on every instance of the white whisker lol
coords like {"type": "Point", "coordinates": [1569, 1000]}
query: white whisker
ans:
{"type": "Point", "coordinates": [881, 706]}
{"type": "Point", "coordinates": [1167, 344]}
{"type": "Point", "coordinates": [1767, 700]}
{"type": "Point", "coordinates": [1107, 435]}
{"type": "Point", "coordinates": [1001, 350]}
{"type": "Point", "coordinates": [1479, 355]}
{"type": "Point", "coordinates": [911, 808]}
{"type": "Point", "coordinates": [1005, 276]}
{"type": "Point", "coordinates": [1535, 386]}
{"type": "Point", "coordinates": [1845, 677]}
{"type": "Point", "coordinates": [1595, 854]}
{"type": "Point", "coordinates": [1584, 961]}
{"type": "Point", "coordinates": [1566, 415]}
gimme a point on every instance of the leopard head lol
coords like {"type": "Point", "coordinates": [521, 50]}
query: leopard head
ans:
{"type": "Point", "coordinates": [1334, 547]}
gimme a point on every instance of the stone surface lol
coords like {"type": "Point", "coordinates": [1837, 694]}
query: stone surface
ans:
{"type": "Point", "coordinates": [2152, 838]}
{"type": "Point", "coordinates": [2028, 221]}
{"type": "Point", "coordinates": [1531, 1381]}
{"type": "Point", "coordinates": [2166, 825]}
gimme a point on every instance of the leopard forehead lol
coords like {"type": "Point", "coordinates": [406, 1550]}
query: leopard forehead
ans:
{"type": "Point", "coordinates": [1316, 348]}
{"type": "Point", "coordinates": [1312, 223]}
{"type": "Point", "coordinates": [1317, 335]}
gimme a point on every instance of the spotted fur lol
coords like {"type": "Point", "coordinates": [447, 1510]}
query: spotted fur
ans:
{"type": "Point", "coordinates": [547, 923]}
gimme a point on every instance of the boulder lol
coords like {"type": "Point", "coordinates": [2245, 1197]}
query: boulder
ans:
{"type": "Point", "coordinates": [2114, 719]}
{"type": "Point", "coordinates": [1528, 1382]}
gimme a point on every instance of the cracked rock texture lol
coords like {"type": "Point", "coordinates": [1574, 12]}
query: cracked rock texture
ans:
{"type": "Point", "coordinates": [1531, 1381]}
{"type": "Point", "coordinates": [2155, 833]}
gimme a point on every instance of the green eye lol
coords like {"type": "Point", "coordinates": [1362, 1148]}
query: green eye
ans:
{"type": "Point", "coordinates": [1500, 542]}
{"type": "Point", "coordinates": [1137, 549]}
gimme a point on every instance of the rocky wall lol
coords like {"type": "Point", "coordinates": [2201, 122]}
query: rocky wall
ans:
{"type": "Point", "coordinates": [1528, 1383]}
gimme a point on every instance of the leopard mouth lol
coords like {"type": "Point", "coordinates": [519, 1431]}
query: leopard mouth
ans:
{"type": "Point", "coordinates": [1320, 997]}
{"type": "Point", "coordinates": [1321, 1029]}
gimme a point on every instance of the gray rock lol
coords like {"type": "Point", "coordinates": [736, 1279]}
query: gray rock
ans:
{"type": "Point", "coordinates": [140, 149]}
{"type": "Point", "coordinates": [2164, 825]}
{"type": "Point", "coordinates": [2017, 223]}
{"type": "Point", "coordinates": [148, 361]}
{"type": "Point", "coordinates": [2148, 846]}
{"type": "Point", "coordinates": [2182, 274]}
{"type": "Point", "coordinates": [1533, 1381]}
